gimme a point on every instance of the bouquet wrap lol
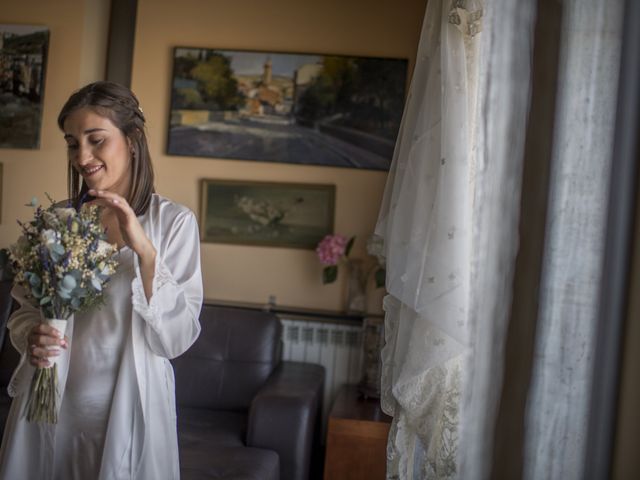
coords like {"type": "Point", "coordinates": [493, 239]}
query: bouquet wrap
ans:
{"type": "Point", "coordinates": [59, 324]}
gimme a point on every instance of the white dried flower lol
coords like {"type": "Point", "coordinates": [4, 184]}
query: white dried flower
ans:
{"type": "Point", "coordinates": [64, 213]}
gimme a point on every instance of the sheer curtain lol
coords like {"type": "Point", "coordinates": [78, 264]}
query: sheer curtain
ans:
{"type": "Point", "coordinates": [449, 221]}
{"type": "Point", "coordinates": [425, 223]}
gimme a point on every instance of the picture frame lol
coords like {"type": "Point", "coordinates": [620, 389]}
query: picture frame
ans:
{"type": "Point", "coordinates": [274, 214]}
{"type": "Point", "coordinates": [1, 188]}
{"type": "Point", "coordinates": [306, 109]}
{"type": "Point", "coordinates": [23, 61]}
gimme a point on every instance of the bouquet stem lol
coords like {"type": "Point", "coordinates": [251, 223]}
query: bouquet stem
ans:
{"type": "Point", "coordinates": [41, 406]}
{"type": "Point", "coordinates": [43, 393]}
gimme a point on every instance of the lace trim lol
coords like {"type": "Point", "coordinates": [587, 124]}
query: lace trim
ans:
{"type": "Point", "coordinates": [16, 377]}
{"type": "Point", "coordinates": [162, 277]}
{"type": "Point", "coordinates": [466, 15]}
{"type": "Point", "coordinates": [423, 439]}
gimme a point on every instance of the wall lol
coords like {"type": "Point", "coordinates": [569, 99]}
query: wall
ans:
{"type": "Point", "coordinates": [77, 52]}
{"type": "Point", "coordinates": [359, 27]}
{"type": "Point", "coordinates": [77, 56]}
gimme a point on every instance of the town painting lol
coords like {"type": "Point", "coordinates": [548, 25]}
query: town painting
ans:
{"type": "Point", "coordinates": [23, 58]}
{"type": "Point", "coordinates": [327, 110]}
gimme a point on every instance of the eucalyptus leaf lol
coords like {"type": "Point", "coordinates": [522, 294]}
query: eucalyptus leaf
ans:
{"type": "Point", "coordinates": [65, 294]}
{"type": "Point", "coordinates": [69, 282]}
{"type": "Point", "coordinates": [79, 292]}
{"type": "Point", "coordinates": [34, 280]}
{"type": "Point", "coordinates": [96, 284]}
{"type": "Point", "coordinates": [37, 291]}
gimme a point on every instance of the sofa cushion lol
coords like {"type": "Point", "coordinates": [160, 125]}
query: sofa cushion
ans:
{"type": "Point", "coordinates": [229, 463]}
{"type": "Point", "coordinates": [211, 427]}
{"type": "Point", "coordinates": [234, 355]}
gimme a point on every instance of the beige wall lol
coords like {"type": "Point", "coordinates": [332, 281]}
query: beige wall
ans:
{"type": "Point", "coordinates": [358, 27]}
{"type": "Point", "coordinates": [77, 52]}
{"type": "Point", "coordinates": [76, 56]}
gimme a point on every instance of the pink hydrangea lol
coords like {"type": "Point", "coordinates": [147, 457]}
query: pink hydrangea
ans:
{"type": "Point", "coordinates": [331, 248]}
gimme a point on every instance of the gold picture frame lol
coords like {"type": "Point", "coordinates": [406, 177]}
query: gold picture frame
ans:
{"type": "Point", "coordinates": [291, 215]}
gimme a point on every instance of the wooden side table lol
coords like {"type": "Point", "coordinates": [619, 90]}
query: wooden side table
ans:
{"type": "Point", "coordinates": [356, 438]}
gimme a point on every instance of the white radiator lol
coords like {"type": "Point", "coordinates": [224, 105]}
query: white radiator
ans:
{"type": "Point", "coordinates": [338, 348]}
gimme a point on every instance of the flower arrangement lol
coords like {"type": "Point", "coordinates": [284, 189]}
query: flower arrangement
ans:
{"type": "Point", "coordinates": [331, 250]}
{"type": "Point", "coordinates": [334, 249]}
{"type": "Point", "coordinates": [63, 261]}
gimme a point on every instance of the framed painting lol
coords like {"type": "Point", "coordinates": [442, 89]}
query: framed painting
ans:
{"type": "Point", "coordinates": [328, 110]}
{"type": "Point", "coordinates": [23, 60]}
{"type": "Point", "coordinates": [290, 215]}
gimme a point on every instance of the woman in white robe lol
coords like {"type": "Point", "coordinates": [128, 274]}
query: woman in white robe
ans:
{"type": "Point", "coordinates": [117, 417]}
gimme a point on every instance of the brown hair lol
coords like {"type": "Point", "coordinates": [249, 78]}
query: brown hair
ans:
{"type": "Point", "coordinates": [117, 103]}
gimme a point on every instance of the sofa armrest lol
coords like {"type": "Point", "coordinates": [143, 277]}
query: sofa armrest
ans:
{"type": "Point", "coordinates": [284, 414]}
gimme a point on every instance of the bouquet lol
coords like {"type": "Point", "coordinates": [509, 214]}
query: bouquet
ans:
{"type": "Point", "coordinates": [331, 250]}
{"type": "Point", "coordinates": [63, 261]}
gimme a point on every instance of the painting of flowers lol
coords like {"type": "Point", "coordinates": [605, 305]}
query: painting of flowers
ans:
{"type": "Point", "coordinates": [289, 215]}
{"type": "Point", "coordinates": [332, 110]}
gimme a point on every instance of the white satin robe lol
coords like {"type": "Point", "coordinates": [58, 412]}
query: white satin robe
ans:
{"type": "Point", "coordinates": [161, 329]}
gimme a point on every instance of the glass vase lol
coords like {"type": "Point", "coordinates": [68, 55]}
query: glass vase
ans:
{"type": "Point", "coordinates": [356, 299]}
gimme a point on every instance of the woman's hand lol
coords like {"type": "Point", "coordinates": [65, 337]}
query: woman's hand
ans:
{"type": "Point", "coordinates": [132, 233]}
{"type": "Point", "coordinates": [41, 337]}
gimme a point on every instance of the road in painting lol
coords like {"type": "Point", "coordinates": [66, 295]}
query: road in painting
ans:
{"type": "Point", "coordinates": [292, 108]}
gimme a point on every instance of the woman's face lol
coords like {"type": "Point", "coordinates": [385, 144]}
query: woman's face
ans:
{"type": "Point", "coordinates": [99, 151]}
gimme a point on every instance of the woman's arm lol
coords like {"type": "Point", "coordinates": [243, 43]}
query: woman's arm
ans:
{"type": "Point", "coordinates": [172, 310]}
{"type": "Point", "coordinates": [167, 288]}
{"type": "Point", "coordinates": [22, 321]}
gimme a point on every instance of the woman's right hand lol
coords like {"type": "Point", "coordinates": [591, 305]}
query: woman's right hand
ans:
{"type": "Point", "coordinates": [41, 337]}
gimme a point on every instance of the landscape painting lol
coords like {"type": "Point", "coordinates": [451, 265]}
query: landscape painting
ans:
{"type": "Point", "coordinates": [23, 58]}
{"type": "Point", "coordinates": [327, 110]}
{"type": "Point", "coordinates": [262, 213]}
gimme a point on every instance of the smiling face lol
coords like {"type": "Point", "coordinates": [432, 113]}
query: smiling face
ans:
{"type": "Point", "coordinates": [98, 150]}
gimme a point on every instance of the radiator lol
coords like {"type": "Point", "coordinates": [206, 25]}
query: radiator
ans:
{"type": "Point", "coordinates": [337, 347]}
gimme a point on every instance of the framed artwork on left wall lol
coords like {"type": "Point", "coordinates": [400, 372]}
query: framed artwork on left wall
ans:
{"type": "Point", "coordinates": [23, 60]}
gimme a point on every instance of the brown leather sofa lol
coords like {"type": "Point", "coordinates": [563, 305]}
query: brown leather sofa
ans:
{"type": "Point", "coordinates": [242, 413]}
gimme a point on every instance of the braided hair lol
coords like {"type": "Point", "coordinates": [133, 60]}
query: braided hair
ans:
{"type": "Point", "coordinates": [119, 104]}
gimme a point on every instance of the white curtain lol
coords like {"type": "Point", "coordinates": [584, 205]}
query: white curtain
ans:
{"type": "Point", "coordinates": [449, 220]}
{"type": "Point", "coordinates": [581, 162]}
{"type": "Point", "coordinates": [425, 223]}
